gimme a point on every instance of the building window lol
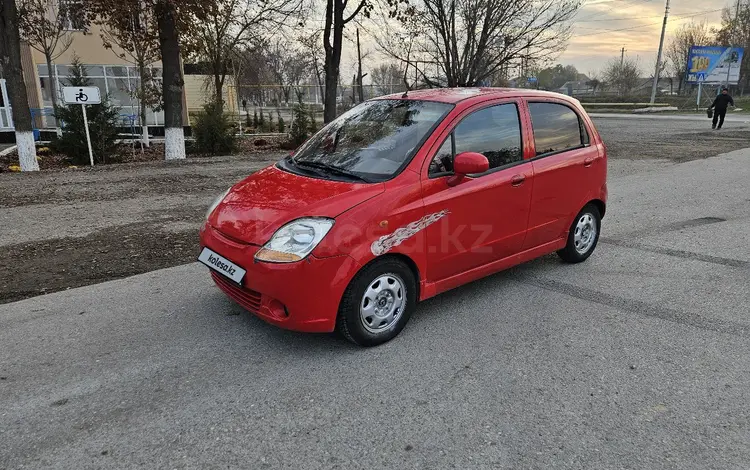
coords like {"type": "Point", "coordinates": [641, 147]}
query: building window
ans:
{"type": "Point", "coordinates": [119, 82]}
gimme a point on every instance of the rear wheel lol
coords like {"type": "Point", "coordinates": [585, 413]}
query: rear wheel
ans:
{"type": "Point", "coordinates": [583, 235]}
{"type": "Point", "coordinates": [378, 303]}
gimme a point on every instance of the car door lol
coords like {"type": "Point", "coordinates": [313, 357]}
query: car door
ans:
{"type": "Point", "coordinates": [483, 218]}
{"type": "Point", "coordinates": [561, 165]}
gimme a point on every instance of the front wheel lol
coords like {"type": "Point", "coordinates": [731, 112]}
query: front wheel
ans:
{"type": "Point", "coordinates": [378, 303]}
{"type": "Point", "coordinates": [583, 235]}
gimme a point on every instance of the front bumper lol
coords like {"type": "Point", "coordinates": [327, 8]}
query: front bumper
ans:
{"type": "Point", "coordinates": [300, 296]}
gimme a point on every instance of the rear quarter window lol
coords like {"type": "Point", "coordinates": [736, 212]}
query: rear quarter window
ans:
{"type": "Point", "coordinates": [556, 128]}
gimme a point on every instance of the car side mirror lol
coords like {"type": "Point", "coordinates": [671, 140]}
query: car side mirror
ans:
{"type": "Point", "coordinates": [467, 163]}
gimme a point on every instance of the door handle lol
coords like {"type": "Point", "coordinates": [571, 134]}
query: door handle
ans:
{"type": "Point", "coordinates": [517, 180]}
{"type": "Point", "coordinates": [588, 162]}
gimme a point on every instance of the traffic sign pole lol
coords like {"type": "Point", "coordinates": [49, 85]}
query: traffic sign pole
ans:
{"type": "Point", "coordinates": [88, 137]}
{"type": "Point", "coordinates": [83, 95]}
{"type": "Point", "coordinates": [700, 91]}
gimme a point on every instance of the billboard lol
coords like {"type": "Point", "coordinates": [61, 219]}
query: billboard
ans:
{"type": "Point", "coordinates": [710, 64]}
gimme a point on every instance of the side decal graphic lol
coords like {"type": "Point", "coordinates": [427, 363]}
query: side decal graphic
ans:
{"type": "Point", "coordinates": [385, 243]}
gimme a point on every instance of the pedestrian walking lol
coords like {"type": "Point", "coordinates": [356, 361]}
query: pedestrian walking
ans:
{"type": "Point", "coordinates": [720, 105]}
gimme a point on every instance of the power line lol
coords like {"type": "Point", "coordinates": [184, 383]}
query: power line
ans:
{"type": "Point", "coordinates": [682, 17]}
{"type": "Point", "coordinates": [626, 18]}
{"type": "Point", "coordinates": [630, 2]}
{"type": "Point", "coordinates": [691, 14]}
{"type": "Point", "coordinates": [620, 19]}
{"type": "Point", "coordinates": [615, 30]}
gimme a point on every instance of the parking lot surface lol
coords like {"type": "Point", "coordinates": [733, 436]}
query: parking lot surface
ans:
{"type": "Point", "coordinates": [637, 358]}
{"type": "Point", "coordinates": [74, 228]}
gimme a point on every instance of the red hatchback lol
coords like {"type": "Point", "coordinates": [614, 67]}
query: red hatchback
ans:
{"type": "Point", "coordinates": [402, 198]}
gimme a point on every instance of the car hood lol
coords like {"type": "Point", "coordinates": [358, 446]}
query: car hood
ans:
{"type": "Point", "coordinates": [261, 203]}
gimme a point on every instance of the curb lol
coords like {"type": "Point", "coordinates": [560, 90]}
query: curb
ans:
{"type": "Point", "coordinates": [8, 150]}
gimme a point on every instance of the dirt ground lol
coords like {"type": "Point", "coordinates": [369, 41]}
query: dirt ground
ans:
{"type": "Point", "coordinates": [71, 228]}
{"type": "Point", "coordinates": [48, 159]}
{"type": "Point", "coordinates": [64, 229]}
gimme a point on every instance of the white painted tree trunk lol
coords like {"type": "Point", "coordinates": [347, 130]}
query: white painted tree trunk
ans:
{"type": "Point", "coordinates": [26, 151]}
{"type": "Point", "coordinates": [174, 143]}
{"type": "Point", "coordinates": [144, 136]}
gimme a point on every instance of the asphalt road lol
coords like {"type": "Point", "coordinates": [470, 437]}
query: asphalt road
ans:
{"type": "Point", "coordinates": [638, 358]}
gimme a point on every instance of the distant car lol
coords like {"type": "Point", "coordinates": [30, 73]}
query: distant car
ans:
{"type": "Point", "coordinates": [404, 197]}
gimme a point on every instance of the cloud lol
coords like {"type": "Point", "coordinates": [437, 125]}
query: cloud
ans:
{"type": "Point", "coordinates": [602, 27]}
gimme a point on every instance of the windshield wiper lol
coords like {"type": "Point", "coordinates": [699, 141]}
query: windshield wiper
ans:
{"type": "Point", "coordinates": [330, 169]}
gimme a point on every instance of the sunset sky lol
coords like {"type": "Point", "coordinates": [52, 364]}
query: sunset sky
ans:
{"type": "Point", "coordinates": [600, 29]}
{"type": "Point", "coordinates": [594, 42]}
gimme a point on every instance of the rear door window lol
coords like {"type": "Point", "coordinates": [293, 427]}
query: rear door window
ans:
{"type": "Point", "coordinates": [557, 128]}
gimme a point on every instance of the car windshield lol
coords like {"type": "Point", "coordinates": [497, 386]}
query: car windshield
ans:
{"type": "Point", "coordinates": [371, 142]}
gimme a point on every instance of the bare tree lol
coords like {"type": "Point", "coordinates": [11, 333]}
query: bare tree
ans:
{"type": "Point", "coordinates": [622, 75]}
{"type": "Point", "coordinates": [735, 31]}
{"type": "Point", "coordinates": [235, 25]}
{"type": "Point", "coordinates": [290, 68]}
{"type": "Point", "coordinates": [678, 48]}
{"type": "Point", "coordinates": [337, 16]}
{"type": "Point", "coordinates": [44, 25]}
{"type": "Point", "coordinates": [311, 45]}
{"type": "Point", "coordinates": [10, 59]}
{"type": "Point", "coordinates": [132, 27]}
{"type": "Point", "coordinates": [472, 39]}
{"type": "Point", "coordinates": [385, 76]}
{"type": "Point", "coordinates": [595, 81]}
{"type": "Point", "coordinates": [251, 73]}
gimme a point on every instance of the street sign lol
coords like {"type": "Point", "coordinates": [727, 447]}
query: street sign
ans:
{"type": "Point", "coordinates": [82, 95]}
{"type": "Point", "coordinates": [713, 65]}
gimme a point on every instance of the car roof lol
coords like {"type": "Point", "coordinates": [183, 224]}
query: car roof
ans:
{"type": "Point", "coordinates": [456, 95]}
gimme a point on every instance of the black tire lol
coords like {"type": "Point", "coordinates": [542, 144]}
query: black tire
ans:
{"type": "Point", "coordinates": [572, 254]}
{"type": "Point", "coordinates": [349, 322]}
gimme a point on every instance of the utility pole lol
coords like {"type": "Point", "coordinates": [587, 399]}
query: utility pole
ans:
{"type": "Point", "coordinates": [658, 55]}
{"type": "Point", "coordinates": [359, 71]}
{"type": "Point", "coordinates": [622, 58]}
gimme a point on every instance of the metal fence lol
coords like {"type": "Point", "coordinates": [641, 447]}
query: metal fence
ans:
{"type": "Point", "coordinates": [284, 96]}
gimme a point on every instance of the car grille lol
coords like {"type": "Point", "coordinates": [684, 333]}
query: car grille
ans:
{"type": "Point", "coordinates": [247, 298]}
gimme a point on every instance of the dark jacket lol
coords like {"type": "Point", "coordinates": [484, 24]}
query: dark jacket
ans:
{"type": "Point", "coordinates": [722, 102]}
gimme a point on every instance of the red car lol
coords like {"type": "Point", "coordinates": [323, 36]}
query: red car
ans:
{"type": "Point", "coordinates": [402, 198]}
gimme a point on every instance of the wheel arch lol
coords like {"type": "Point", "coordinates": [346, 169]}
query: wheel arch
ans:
{"type": "Point", "coordinates": [407, 260]}
{"type": "Point", "coordinates": [341, 323]}
{"type": "Point", "coordinates": [599, 204]}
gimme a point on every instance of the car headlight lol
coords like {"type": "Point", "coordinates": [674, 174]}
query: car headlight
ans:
{"type": "Point", "coordinates": [295, 240]}
{"type": "Point", "coordinates": [217, 202]}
